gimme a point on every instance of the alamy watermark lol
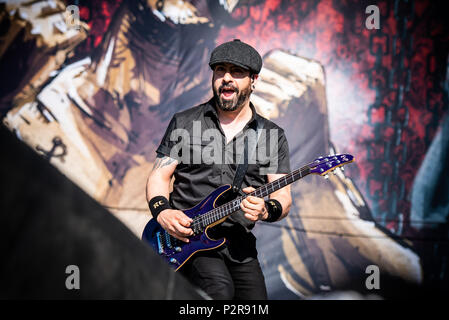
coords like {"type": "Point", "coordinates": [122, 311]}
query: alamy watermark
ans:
{"type": "Point", "coordinates": [72, 17]}
{"type": "Point", "coordinates": [73, 279]}
{"type": "Point", "coordinates": [373, 20]}
{"type": "Point", "coordinates": [373, 280]}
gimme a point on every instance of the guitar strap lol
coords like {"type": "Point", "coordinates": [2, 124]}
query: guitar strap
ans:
{"type": "Point", "coordinates": [242, 167]}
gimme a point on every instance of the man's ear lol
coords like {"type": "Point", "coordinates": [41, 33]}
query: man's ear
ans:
{"type": "Point", "coordinates": [254, 78]}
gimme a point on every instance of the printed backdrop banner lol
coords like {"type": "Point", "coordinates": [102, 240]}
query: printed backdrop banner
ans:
{"type": "Point", "coordinates": [92, 85]}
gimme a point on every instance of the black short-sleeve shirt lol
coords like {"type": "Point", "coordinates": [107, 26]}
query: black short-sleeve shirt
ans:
{"type": "Point", "coordinates": [195, 138]}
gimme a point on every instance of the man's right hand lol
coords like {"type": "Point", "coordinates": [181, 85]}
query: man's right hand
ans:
{"type": "Point", "coordinates": [176, 223]}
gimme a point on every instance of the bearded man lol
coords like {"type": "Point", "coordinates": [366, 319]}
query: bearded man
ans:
{"type": "Point", "coordinates": [200, 150]}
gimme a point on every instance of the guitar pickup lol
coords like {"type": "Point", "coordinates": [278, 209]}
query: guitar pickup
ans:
{"type": "Point", "coordinates": [167, 240]}
{"type": "Point", "coordinates": [160, 246]}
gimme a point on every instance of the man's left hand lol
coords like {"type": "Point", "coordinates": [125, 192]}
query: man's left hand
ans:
{"type": "Point", "coordinates": [253, 207]}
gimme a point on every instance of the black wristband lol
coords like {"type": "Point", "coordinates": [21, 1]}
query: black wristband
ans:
{"type": "Point", "coordinates": [157, 204]}
{"type": "Point", "coordinates": [274, 209]}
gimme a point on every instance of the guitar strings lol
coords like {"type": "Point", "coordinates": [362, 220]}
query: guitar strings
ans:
{"type": "Point", "coordinates": [232, 206]}
{"type": "Point", "coordinates": [228, 208]}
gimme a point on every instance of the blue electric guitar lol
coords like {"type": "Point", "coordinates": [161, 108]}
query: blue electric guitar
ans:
{"type": "Point", "coordinates": [213, 210]}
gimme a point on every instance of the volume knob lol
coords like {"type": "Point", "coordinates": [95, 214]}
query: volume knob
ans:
{"type": "Point", "coordinates": [173, 260]}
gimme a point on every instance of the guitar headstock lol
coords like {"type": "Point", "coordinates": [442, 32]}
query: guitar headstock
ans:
{"type": "Point", "coordinates": [324, 165]}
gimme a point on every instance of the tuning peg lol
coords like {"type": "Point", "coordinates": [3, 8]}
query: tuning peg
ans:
{"type": "Point", "coordinates": [326, 176]}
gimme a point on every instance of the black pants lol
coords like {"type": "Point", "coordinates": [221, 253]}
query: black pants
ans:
{"type": "Point", "coordinates": [223, 279]}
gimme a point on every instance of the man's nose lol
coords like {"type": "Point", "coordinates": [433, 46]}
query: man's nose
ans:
{"type": "Point", "coordinates": [227, 76]}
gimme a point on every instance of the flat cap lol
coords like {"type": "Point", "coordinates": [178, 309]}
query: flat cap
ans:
{"type": "Point", "coordinates": [238, 53]}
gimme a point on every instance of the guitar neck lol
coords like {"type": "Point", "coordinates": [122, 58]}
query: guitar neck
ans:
{"type": "Point", "coordinates": [261, 192]}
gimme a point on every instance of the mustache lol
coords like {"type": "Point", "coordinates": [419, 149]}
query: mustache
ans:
{"type": "Point", "coordinates": [227, 87]}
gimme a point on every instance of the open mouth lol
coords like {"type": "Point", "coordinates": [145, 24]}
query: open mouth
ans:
{"type": "Point", "coordinates": [227, 93]}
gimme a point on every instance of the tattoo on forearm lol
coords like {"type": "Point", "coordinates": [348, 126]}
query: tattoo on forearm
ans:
{"type": "Point", "coordinates": [162, 161]}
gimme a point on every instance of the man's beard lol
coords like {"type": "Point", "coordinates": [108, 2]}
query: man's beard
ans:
{"type": "Point", "coordinates": [236, 102]}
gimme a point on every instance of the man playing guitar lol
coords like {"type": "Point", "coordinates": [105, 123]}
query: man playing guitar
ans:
{"type": "Point", "coordinates": [231, 271]}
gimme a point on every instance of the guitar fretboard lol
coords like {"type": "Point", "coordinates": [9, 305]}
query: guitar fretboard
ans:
{"type": "Point", "coordinates": [226, 209]}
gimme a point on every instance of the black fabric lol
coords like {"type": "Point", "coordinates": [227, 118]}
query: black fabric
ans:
{"type": "Point", "coordinates": [158, 204]}
{"type": "Point", "coordinates": [47, 223]}
{"type": "Point", "coordinates": [274, 209]}
{"type": "Point", "coordinates": [242, 166]}
{"type": "Point", "coordinates": [194, 181]}
{"type": "Point", "coordinates": [224, 279]}
{"type": "Point", "coordinates": [238, 53]}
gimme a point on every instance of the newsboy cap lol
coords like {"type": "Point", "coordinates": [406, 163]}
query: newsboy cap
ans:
{"type": "Point", "coordinates": [238, 53]}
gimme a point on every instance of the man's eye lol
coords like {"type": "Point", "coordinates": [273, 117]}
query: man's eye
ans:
{"type": "Point", "coordinates": [238, 73]}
